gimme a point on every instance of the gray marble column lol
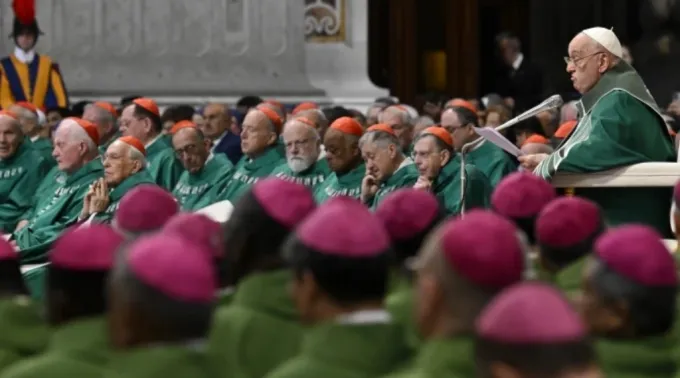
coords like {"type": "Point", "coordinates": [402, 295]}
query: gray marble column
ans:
{"type": "Point", "coordinates": [213, 48]}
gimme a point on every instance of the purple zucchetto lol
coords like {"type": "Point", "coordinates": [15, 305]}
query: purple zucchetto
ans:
{"type": "Point", "coordinates": [86, 248]}
{"type": "Point", "coordinates": [637, 253]}
{"type": "Point", "coordinates": [567, 221]}
{"type": "Point", "coordinates": [174, 266]}
{"type": "Point", "coordinates": [286, 202]}
{"type": "Point", "coordinates": [530, 313]}
{"type": "Point", "coordinates": [407, 212]}
{"type": "Point", "coordinates": [145, 208]}
{"type": "Point", "coordinates": [483, 247]}
{"type": "Point", "coordinates": [199, 229]}
{"type": "Point", "coordinates": [343, 226]}
{"type": "Point", "coordinates": [521, 195]}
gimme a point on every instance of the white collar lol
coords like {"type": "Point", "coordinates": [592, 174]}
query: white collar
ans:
{"type": "Point", "coordinates": [518, 61]}
{"type": "Point", "coordinates": [218, 140]}
{"type": "Point", "coordinates": [24, 56]}
{"type": "Point", "coordinates": [322, 153]}
{"type": "Point", "coordinates": [152, 141]}
{"type": "Point", "coordinates": [34, 138]}
{"type": "Point", "coordinates": [365, 317]}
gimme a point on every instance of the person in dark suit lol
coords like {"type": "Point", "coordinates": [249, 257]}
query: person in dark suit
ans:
{"type": "Point", "coordinates": [217, 128]}
{"type": "Point", "coordinates": [521, 82]}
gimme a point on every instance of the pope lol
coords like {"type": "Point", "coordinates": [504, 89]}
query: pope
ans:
{"type": "Point", "coordinates": [614, 103]}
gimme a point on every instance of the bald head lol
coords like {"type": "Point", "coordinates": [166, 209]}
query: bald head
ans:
{"type": "Point", "coordinates": [317, 117]}
{"type": "Point", "coordinates": [258, 133]}
{"type": "Point", "coordinates": [27, 119]}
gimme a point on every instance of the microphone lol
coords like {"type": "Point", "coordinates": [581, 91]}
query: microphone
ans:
{"type": "Point", "coordinates": [551, 102]}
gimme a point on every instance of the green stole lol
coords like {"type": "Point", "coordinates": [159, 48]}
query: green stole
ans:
{"type": "Point", "coordinates": [620, 126]}
{"type": "Point", "coordinates": [406, 175]}
{"type": "Point", "coordinates": [345, 184]}
{"type": "Point", "coordinates": [312, 177]}
{"type": "Point", "coordinates": [249, 171]}
{"type": "Point", "coordinates": [117, 193]}
{"type": "Point", "coordinates": [197, 190]}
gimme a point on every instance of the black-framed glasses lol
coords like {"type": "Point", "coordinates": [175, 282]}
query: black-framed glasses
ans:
{"type": "Point", "coordinates": [568, 60]}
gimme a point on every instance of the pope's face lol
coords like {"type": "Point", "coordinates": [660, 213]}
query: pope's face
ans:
{"type": "Point", "coordinates": [586, 63]}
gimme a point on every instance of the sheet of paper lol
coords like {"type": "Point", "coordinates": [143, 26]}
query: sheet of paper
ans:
{"type": "Point", "coordinates": [490, 134]}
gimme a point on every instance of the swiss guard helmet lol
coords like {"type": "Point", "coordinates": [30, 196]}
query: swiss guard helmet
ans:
{"type": "Point", "coordinates": [24, 20]}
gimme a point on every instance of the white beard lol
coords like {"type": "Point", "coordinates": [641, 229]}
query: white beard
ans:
{"type": "Point", "coordinates": [298, 164]}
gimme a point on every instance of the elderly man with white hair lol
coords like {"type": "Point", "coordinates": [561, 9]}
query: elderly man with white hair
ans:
{"type": "Point", "coordinates": [401, 120]}
{"type": "Point", "coordinates": [21, 170]}
{"type": "Point", "coordinates": [34, 128]}
{"type": "Point", "coordinates": [303, 146]}
{"type": "Point", "coordinates": [620, 125]}
{"type": "Point", "coordinates": [387, 168]}
{"type": "Point", "coordinates": [58, 202]}
{"type": "Point", "coordinates": [124, 168]}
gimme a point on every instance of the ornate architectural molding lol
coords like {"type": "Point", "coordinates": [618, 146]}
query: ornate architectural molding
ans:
{"type": "Point", "coordinates": [325, 21]}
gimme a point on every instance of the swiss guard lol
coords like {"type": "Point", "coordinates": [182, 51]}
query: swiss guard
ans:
{"type": "Point", "coordinates": [25, 74]}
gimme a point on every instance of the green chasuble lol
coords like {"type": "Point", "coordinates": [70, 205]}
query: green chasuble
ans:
{"type": "Point", "coordinates": [400, 304]}
{"type": "Point", "coordinates": [43, 146]}
{"type": "Point", "coordinates": [105, 146]}
{"type": "Point", "coordinates": [162, 164]}
{"type": "Point", "coordinates": [249, 171]}
{"type": "Point", "coordinates": [312, 177]}
{"type": "Point", "coordinates": [60, 210]}
{"type": "Point", "coordinates": [646, 358]}
{"type": "Point", "coordinates": [259, 330]}
{"type": "Point", "coordinates": [443, 358]}
{"type": "Point", "coordinates": [619, 126]}
{"type": "Point", "coordinates": [117, 193]}
{"type": "Point", "coordinates": [20, 177]}
{"type": "Point", "coordinates": [346, 184]}
{"type": "Point", "coordinates": [44, 191]}
{"type": "Point", "coordinates": [492, 161]}
{"type": "Point", "coordinates": [197, 190]}
{"type": "Point", "coordinates": [23, 331]}
{"type": "Point", "coordinates": [447, 187]}
{"type": "Point", "coordinates": [404, 177]}
{"type": "Point", "coordinates": [346, 349]}
{"type": "Point", "coordinates": [76, 349]}
{"type": "Point", "coordinates": [160, 361]}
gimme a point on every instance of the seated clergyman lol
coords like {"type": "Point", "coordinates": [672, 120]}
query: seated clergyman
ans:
{"type": "Point", "coordinates": [303, 146]}
{"type": "Point", "coordinates": [61, 198]}
{"type": "Point", "coordinates": [124, 168]}
{"type": "Point", "coordinates": [204, 172]}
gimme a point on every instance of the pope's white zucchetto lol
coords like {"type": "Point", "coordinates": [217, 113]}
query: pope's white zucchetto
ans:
{"type": "Point", "coordinates": [606, 38]}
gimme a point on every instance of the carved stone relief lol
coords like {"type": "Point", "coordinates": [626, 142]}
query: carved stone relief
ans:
{"type": "Point", "coordinates": [325, 21]}
{"type": "Point", "coordinates": [173, 47]}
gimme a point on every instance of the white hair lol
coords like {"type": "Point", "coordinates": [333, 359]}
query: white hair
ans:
{"type": "Point", "coordinates": [134, 153]}
{"type": "Point", "coordinates": [25, 113]}
{"type": "Point", "coordinates": [102, 114]}
{"type": "Point", "coordinates": [78, 134]}
{"type": "Point", "coordinates": [424, 121]}
{"type": "Point", "coordinates": [394, 110]}
{"type": "Point", "coordinates": [381, 138]}
{"type": "Point", "coordinates": [314, 132]}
